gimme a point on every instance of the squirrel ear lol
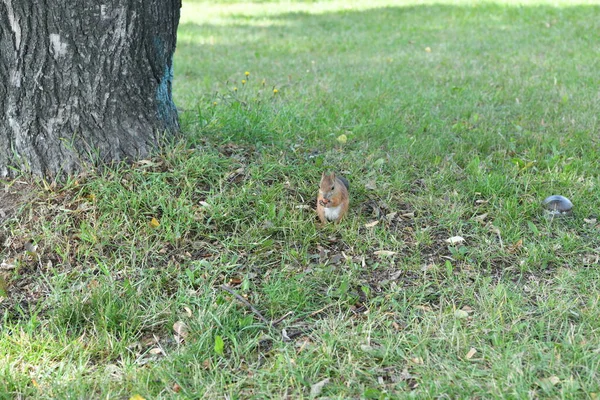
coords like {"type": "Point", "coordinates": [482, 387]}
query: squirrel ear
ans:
{"type": "Point", "coordinates": [333, 176]}
{"type": "Point", "coordinates": [323, 175]}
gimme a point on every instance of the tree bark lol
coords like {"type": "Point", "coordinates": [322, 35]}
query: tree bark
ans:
{"type": "Point", "coordinates": [84, 81]}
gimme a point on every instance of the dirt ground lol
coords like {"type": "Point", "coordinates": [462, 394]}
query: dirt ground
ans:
{"type": "Point", "coordinates": [14, 195]}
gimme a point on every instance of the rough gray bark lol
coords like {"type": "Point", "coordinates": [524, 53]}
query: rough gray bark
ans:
{"type": "Point", "coordinates": [84, 80]}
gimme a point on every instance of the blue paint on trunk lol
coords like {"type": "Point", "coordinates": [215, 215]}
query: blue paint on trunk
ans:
{"type": "Point", "coordinates": [166, 110]}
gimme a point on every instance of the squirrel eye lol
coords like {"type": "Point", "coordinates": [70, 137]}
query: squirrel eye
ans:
{"type": "Point", "coordinates": [333, 187]}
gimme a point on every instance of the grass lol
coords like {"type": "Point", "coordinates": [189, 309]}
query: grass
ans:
{"type": "Point", "coordinates": [460, 118]}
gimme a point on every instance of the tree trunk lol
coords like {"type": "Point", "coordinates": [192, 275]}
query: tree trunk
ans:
{"type": "Point", "coordinates": [84, 81]}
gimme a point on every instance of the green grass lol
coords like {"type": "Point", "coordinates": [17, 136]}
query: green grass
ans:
{"type": "Point", "coordinates": [452, 110]}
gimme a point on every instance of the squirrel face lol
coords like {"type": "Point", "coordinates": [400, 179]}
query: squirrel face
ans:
{"type": "Point", "coordinates": [327, 188]}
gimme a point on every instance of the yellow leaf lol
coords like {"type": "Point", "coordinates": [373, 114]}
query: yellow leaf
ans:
{"type": "Point", "coordinates": [428, 49]}
{"type": "Point", "coordinates": [471, 353]}
{"type": "Point", "coordinates": [342, 139]}
{"type": "Point", "coordinates": [154, 223]}
{"type": "Point", "coordinates": [136, 397]}
{"type": "Point", "coordinates": [383, 253]}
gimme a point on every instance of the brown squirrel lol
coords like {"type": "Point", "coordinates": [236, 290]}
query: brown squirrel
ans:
{"type": "Point", "coordinates": [333, 198]}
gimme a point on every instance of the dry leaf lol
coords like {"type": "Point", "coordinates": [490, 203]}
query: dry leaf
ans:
{"type": "Point", "coordinates": [371, 224]}
{"type": "Point", "coordinates": [455, 240]}
{"type": "Point", "coordinates": [7, 264]}
{"type": "Point", "coordinates": [554, 380]}
{"type": "Point", "coordinates": [146, 162]}
{"type": "Point", "coordinates": [154, 223]}
{"type": "Point", "coordinates": [180, 329]}
{"type": "Point", "coordinates": [471, 353]}
{"type": "Point", "coordinates": [427, 267]}
{"type": "Point", "coordinates": [515, 247]}
{"type": "Point", "coordinates": [384, 253]}
{"type": "Point", "coordinates": [461, 314]}
{"type": "Point", "coordinates": [395, 275]}
{"type": "Point", "coordinates": [417, 360]}
{"type": "Point", "coordinates": [155, 351]}
{"type": "Point", "coordinates": [371, 185]}
{"type": "Point", "coordinates": [408, 215]}
{"type": "Point", "coordinates": [317, 388]}
{"type": "Point", "coordinates": [235, 281]}
{"type": "Point", "coordinates": [188, 311]}
{"type": "Point", "coordinates": [481, 218]}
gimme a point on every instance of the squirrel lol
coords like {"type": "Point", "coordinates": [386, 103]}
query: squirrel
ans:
{"type": "Point", "coordinates": [333, 198]}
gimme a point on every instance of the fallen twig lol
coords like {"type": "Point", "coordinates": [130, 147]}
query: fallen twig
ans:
{"type": "Point", "coordinates": [278, 321]}
{"type": "Point", "coordinates": [246, 303]}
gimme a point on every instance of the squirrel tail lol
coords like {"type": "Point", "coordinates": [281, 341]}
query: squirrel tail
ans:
{"type": "Point", "coordinates": [345, 182]}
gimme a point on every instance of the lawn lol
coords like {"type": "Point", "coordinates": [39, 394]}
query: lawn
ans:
{"type": "Point", "coordinates": [202, 272]}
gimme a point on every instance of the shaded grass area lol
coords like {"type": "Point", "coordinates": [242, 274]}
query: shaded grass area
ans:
{"type": "Point", "coordinates": [458, 120]}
